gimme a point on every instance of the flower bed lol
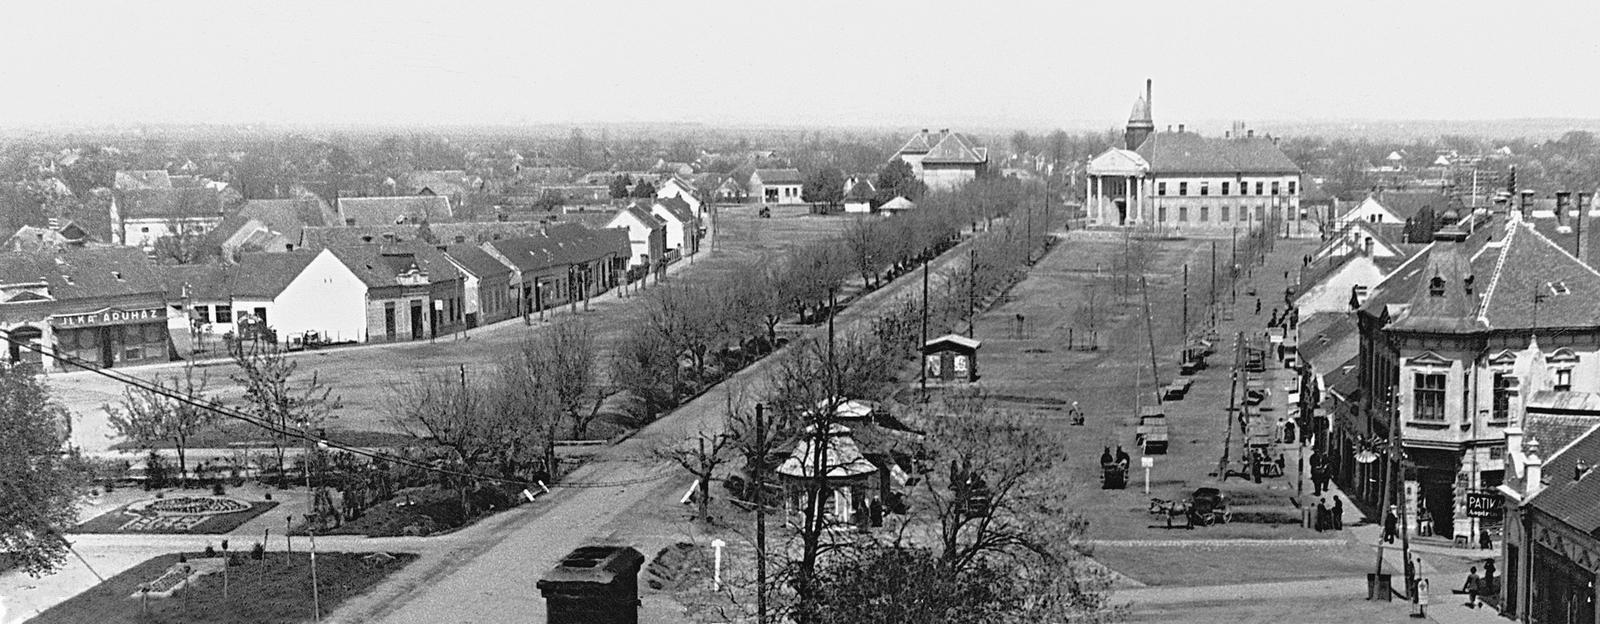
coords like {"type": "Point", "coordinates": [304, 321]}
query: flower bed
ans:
{"type": "Point", "coordinates": [182, 514]}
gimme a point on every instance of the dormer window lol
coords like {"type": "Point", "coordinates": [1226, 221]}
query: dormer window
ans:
{"type": "Point", "coordinates": [1559, 288]}
{"type": "Point", "coordinates": [1436, 287]}
{"type": "Point", "coordinates": [1468, 284]}
{"type": "Point", "coordinates": [117, 275]}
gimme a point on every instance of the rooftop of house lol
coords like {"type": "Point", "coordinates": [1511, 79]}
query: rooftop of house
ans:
{"type": "Point", "coordinates": [1521, 281]}
{"type": "Point", "coordinates": [169, 203]}
{"type": "Point", "coordinates": [1328, 340]}
{"type": "Point", "coordinates": [83, 272]}
{"type": "Point", "coordinates": [919, 143]}
{"type": "Point", "coordinates": [380, 265]}
{"type": "Point", "coordinates": [288, 216]}
{"type": "Point", "coordinates": [1187, 152]}
{"type": "Point", "coordinates": [264, 274]}
{"type": "Point", "coordinates": [562, 245]}
{"type": "Point", "coordinates": [1572, 483]}
{"type": "Point", "coordinates": [955, 148]}
{"type": "Point", "coordinates": [477, 261]}
{"type": "Point", "coordinates": [678, 208]}
{"type": "Point", "coordinates": [641, 214]}
{"type": "Point", "coordinates": [862, 190]}
{"type": "Point", "coordinates": [142, 180]}
{"type": "Point", "coordinates": [393, 210]}
{"type": "Point", "coordinates": [780, 176]}
{"type": "Point", "coordinates": [199, 282]}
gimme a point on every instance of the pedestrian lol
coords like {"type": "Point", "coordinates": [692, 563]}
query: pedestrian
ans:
{"type": "Point", "coordinates": [1322, 515]}
{"type": "Point", "coordinates": [1484, 541]}
{"type": "Point", "coordinates": [1391, 526]}
{"type": "Point", "coordinates": [1338, 514]}
{"type": "Point", "coordinates": [1258, 306]}
{"type": "Point", "coordinates": [1286, 275]}
{"type": "Point", "coordinates": [1471, 587]}
{"type": "Point", "coordinates": [1490, 583]}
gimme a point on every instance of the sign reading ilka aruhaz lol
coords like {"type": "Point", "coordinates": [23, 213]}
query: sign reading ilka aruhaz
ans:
{"type": "Point", "coordinates": [109, 316]}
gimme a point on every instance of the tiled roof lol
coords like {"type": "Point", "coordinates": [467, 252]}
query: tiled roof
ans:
{"type": "Point", "coordinates": [780, 176]}
{"type": "Point", "coordinates": [1567, 495]}
{"type": "Point", "coordinates": [561, 246]}
{"type": "Point", "coordinates": [1452, 307]}
{"type": "Point", "coordinates": [392, 210]}
{"type": "Point", "coordinates": [1406, 204]}
{"type": "Point", "coordinates": [379, 265]}
{"type": "Point", "coordinates": [1565, 230]}
{"type": "Point", "coordinates": [862, 191]}
{"type": "Point", "coordinates": [142, 180]}
{"type": "Point", "coordinates": [442, 182]}
{"type": "Point", "coordinates": [1531, 264]}
{"type": "Point", "coordinates": [477, 261]}
{"type": "Point", "coordinates": [678, 208]}
{"type": "Point", "coordinates": [287, 216]}
{"type": "Point", "coordinates": [87, 272]}
{"type": "Point", "coordinates": [898, 203]}
{"type": "Point", "coordinates": [919, 143]}
{"type": "Point", "coordinates": [1187, 152]}
{"type": "Point", "coordinates": [643, 216]}
{"type": "Point", "coordinates": [192, 202]}
{"type": "Point", "coordinates": [955, 149]}
{"type": "Point", "coordinates": [264, 274]}
{"type": "Point", "coordinates": [1328, 340]}
{"type": "Point", "coordinates": [204, 281]}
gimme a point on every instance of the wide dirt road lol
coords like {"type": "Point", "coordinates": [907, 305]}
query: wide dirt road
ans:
{"type": "Point", "coordinates": [491, 576]}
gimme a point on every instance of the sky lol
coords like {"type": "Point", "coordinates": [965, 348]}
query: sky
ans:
{"type": "Point", "coordinates": [826, 63]}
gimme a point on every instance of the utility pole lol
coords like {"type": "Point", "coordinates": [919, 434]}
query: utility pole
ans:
{"type": "Point", "coordinates": [1185, 304]}
{"type": "Point", "coordinates": [924, 365]}
{"type": "Point", "coordinates": [1213, 284]}
{"type": "Point", "coordinates": [1150, 333]}
{"type": "Point", "coordinates": [972, 294]}
{"type": "Point", "coordinates": [761, 515]}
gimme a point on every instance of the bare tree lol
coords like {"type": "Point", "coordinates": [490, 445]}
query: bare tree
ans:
{"type": "Point", "coordinates": [148, 416]}
{"type": "Point", "coordinates": [265, 372]}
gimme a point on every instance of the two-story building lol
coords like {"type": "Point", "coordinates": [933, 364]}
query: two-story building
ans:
{"type": "Point", "coordinates": [1456, 342]}
{"type": "Point", "coordinates": [1552, 522]}
{"type": "Point", "coordinates": [1183, 181]}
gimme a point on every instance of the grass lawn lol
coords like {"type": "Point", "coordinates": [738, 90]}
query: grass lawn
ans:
{"type": "Point", "coordinates": [1301, 610]}
{"type": "Point", "coordinates": [112, 522]}
{"type": "Point", "coordinates": [275, 590]}
{"type": "Point", "coordinates": [1201, 564]}
{"type": "Point", "coordinates": [1034, 370]}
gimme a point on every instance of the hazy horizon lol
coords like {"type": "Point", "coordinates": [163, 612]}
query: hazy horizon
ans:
{"type": "Point", "coordinates": [1027, 65]}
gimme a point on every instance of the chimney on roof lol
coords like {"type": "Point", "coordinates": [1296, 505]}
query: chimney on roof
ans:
{"type": "Point", "coordinates": [1524, 199]}
{"type": "Point", "coordinates": [924, 130]}
{"type": "Point", "coordinates": [288, 247]}
{"type": "Point", "coordinates": [1180, 127]}
{"type": "Point", "coordinates": [1250, 134]}
{"type": "Point", "coordinates": [1579, 469]}
{"type": "Point", "coordinates": [1563, 203]}
{"type": "Point", "coordinates": [1533, 471]}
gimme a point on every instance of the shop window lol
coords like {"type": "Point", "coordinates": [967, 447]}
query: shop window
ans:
{"type": "Point", "coordinates": [1505, 393]}
{"type": "Point", "coordinates": [1428, 397]}
{"type": "Point", "coordinates": [202, 313]}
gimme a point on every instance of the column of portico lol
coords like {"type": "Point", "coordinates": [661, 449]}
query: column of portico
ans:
{"type": "Point", "coordinates": [1093, 211]}
{"type": "Point", "coordinates": [1127, 198]}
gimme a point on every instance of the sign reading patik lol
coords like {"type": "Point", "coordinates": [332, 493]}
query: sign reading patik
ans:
{"type": "Point", "coordinates": [1483, 505]}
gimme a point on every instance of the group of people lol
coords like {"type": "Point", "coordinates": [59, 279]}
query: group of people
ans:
{"type": "Point", "coordinates": [1329, 518]}
{"type": "Point", "coordinates": [1321, 472]}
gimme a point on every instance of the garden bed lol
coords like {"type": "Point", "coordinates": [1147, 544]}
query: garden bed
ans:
{"type": "Point", "coordinates": [274, 590]}
{"type": "Point", "coordinates": [424, 511]}
{"type": "Point", "coordinates": [177, 514]}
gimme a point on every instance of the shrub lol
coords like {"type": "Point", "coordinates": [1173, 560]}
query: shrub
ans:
{"type": "Point", "coordinates": [217, 489]}
{"type": "Point", "coordinates": [211, 552]}
{"type": "Point", "coordinates": [257, 551]}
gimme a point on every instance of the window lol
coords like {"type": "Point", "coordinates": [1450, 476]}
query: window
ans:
{"type": "Point", "coordinates": [1161, 214]}
{"type": "Point", "coordinates": [144, 230]}
{"type": "Point", "coordinates": [1205, 213]}
{"type": "Point", "coordinates": [1183, 188]}
{"type": "Point", "coordinates": [1224, 188]}
{"type": "Point", "coordinates": [224, 314]}
{"type": "Point", "coordinates": [1505, 393]}
{"type": "Point", "coordinates": [1205, 189]}
{"type": "Point", "coordinates": [1183, 213]}
{"type": "Point", "coordinates": [1261, 212]}
{"type": "Point", "coordinates": [1375, 218]}
{"type": "Point", "coordinates": [1161, 188]}
{"type": "Point", "coordinates": [1258, 187]}
{"type": "Point", "coordinates": [1291, 187]}
{"type": "Point", "coordinates": [1222, 212]}
{"type": "Point", "coordinates": [1244, 187]}
{"type": "Point", "coordinates": [1563, 380]}
{"type": "Point", "coordinates": [1274, 187]}
{"type": "Point", "coordinates": [202, 313]}
{"type": "Point", "coordinates": [1429, 397]}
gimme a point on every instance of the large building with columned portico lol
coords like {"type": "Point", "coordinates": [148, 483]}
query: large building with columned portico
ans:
{"type": "Point", "coordinates": [1179, 180]}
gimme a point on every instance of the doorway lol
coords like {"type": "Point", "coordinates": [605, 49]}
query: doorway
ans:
{"type": "Point", "coordinates": [416, 320]}
{"type": "Point", "coordinates": [1122, 211]}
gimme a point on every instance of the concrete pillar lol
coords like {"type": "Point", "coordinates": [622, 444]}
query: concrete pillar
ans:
{"type": "Point", "coordinates": [1094, 212]}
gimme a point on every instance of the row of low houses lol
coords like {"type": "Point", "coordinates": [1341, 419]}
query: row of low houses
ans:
{"type": "Point", "coordinates": [1476, 358]}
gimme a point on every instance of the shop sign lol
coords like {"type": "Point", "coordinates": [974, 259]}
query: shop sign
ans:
{"type": "Point", "coordinates": [109, 316]}
{"type": "Point", "coordinates": [1484, 505]}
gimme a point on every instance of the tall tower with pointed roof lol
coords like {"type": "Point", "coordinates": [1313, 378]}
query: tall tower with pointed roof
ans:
{"type": "Point", "coordinates": [1140, 122]}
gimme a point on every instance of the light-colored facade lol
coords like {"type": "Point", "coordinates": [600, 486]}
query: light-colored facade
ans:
{"type": "Point", "coordinates": [776, 186]}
